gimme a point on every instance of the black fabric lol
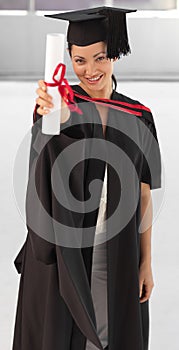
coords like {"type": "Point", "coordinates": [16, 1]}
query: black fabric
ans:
{"type": "Point", "coordinates": [55, 307]}
{"type": "Point", "coordinates": [85, 33]}
{"type": "Point", "coordinates": [92, 25]}
{"type": "Point", "coordinates": [150, 146]}
{"type": "Point", "coordinates": [88, 14]}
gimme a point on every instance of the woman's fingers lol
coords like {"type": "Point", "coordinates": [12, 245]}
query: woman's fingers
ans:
{"type": "Point", "coordinates": [43, 103]}
{"type": "Point", "coordinates": [41, 93]}
{"type": "Point", "coordinates": [42, 111]}
{"type": "Point", "coordinates": [42, 85]}
{"type": "Point", "coordinates": [44, 106]}
{"type": "Point", "coordinates": [146, 282]}
{"type": "Point", "coordinates": [44, 100]}
{"type": "Point", "coordinates": [42, 89]}
{"type": "Point", "coordinates": [146, 291]}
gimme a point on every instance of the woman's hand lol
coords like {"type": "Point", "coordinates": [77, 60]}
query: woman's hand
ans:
{"type": "Point", "coordinates": [146, 283]}
{"type": "Point", "coordinates": [44, 100]}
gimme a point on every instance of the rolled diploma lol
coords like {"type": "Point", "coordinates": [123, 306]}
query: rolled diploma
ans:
{"type": "Point", "coordinates": [54, 56]}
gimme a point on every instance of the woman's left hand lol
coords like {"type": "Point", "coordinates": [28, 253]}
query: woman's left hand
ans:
{"type": "Point", "coordinates": [146, 283]}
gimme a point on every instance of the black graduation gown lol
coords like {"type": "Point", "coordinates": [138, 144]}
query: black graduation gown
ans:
{"type": "Point", "coordinates": [55, 307]}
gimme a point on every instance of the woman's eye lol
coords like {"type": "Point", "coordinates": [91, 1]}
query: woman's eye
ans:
{"type": "Point", "coordinates": [79, 61]}
{"type": "Point", "coordinates": [101, 58]}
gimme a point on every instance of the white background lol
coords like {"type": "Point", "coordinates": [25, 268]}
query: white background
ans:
{"type": "Point", "coordinates": [155, 57]}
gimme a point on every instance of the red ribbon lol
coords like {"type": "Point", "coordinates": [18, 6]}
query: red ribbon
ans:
{"type": "Point", "coordinates": [64, 88]}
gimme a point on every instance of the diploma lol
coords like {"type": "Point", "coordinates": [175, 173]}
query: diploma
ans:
{"type": "Point", "coordinates": [54, 56]}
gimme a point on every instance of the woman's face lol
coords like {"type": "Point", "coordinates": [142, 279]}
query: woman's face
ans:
{"type": "Point", "coordinates": [91, 66]}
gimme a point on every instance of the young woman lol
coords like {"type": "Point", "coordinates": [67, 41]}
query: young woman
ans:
{"type": "Point", "coordinates": [95, 296]}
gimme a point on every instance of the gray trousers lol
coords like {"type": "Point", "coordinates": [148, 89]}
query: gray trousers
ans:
{"type": "Point", "coordinates": [99, 294]}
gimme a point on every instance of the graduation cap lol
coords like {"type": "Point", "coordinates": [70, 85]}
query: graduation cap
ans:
{"type": "Point", "coordinates": [103, 23]}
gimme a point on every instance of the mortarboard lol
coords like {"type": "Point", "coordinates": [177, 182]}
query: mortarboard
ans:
{"type": "Point", "coordinates": [103, 23]}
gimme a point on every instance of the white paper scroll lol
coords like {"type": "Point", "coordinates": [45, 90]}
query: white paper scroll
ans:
{"type": "Point", "coordinates": [54, 55]}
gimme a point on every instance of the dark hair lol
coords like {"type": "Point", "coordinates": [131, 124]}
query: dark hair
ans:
{"type": "Point", "coordinates": [114, 81]}
{"type": "Point", "coordinates": [113, 77]}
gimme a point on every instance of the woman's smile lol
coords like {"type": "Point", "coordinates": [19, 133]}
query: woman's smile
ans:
{"type": "Point", "coordinates": [95, 79]}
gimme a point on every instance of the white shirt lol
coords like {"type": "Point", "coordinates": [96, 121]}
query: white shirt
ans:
{"type": "Point", "coordinates": [101, 225]}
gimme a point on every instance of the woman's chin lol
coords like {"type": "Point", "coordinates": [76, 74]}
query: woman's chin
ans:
{"type": "Point", "coordinates": [93, 87]}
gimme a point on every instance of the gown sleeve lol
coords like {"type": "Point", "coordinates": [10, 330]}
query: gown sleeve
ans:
{"type": "Point", "coordinates": [43, 154]}
{"type": "Point", "coordinates": [151, 164]}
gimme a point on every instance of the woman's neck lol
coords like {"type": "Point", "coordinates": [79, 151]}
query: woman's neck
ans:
{"type": "Point", "coordinates": [105, 93]}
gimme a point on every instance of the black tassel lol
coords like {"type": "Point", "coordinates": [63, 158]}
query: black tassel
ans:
{"type": "Point", "coordinates": [117, 38]}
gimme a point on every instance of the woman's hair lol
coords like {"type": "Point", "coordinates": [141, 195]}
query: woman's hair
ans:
{"type": "Point", "coordinates": [113, 77]}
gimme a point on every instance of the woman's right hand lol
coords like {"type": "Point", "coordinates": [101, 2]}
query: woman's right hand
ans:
{"type": "Point", "coordinates": [44, 100]}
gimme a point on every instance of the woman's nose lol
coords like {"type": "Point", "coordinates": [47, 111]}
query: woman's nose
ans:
{"type": "Point", "coordinates": [90, 69]}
